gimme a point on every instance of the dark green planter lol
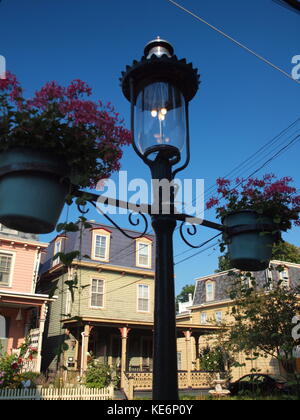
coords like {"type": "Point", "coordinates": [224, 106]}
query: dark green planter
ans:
{"type": "Point", "coordinates": [33, 188]}
{"type": "Point", "coordinates": [249, 249]}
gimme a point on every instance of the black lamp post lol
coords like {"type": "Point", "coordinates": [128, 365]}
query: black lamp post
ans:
{"type": "Point", "coordinates": [159, 88]}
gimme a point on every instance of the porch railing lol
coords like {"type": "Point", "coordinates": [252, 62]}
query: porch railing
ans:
{"type": "Point", "coordinates": [142, 381]}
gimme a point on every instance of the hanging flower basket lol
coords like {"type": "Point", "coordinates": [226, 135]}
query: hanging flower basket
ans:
{"type": "Point", "coordinates": [57, 138]}
{"type": "Point", "coordinates": [250, 240]}
{"type": "Point", "coordinates": [33, 188]}
{"type": "Point", "coordinates": [255, 212]}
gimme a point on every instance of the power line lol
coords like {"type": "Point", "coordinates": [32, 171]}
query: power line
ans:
{"type": "Point", "coordinates": [260, 57]}
{"type": "Point", "coordinates": [245, 164]}
{"type": "Point", "coordinates": [282, 150]}
{"type": "Point", "coordinates": [197, 253]}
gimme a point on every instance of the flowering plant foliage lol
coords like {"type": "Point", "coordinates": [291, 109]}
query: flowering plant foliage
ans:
{"type": "Point", "coordinates": [62, 120]}
{"type": "Point", "coordinates": [267, 196]}
{"type": "Point", "coordinates": [10, 367]}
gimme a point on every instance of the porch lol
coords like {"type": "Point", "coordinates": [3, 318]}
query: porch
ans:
{"type": "Point", "coordinates": [23, 315]}
{"type": "Point", "coordinates": [128, 348]}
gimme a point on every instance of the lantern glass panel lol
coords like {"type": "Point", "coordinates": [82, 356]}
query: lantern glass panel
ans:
{"type": "Point", "coordinates": [160, 117]}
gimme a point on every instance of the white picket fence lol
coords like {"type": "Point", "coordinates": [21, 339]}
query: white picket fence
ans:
{"type": "Point", "coordinates": [80, 393]}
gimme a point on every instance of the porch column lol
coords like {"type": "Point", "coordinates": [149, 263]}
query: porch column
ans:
{"type": "Point", "coordinates": [188, 335]}
{"type": "Point", "coordinates": [85, 347]}
{"type": "Point", "coordinates": [43, 316]}
{"type": "Point", "coordinates": [197, 338]}
{"type": "Point", "coordinates": [124, 335]}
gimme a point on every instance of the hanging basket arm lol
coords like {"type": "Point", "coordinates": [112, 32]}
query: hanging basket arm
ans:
{"type": "Point", "coordinates": [96, 199]}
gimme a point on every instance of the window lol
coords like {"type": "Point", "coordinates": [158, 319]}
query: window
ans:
{"type": "Point", "coordinates": [246, 281]}
{"type": "Point", "coordinates": [5, 268]}
{"type": "Point", "coordinates": [203, 318]}
{"type": "Point", "coordinates": [210, 291]}
{"type": "Point", "coordinates": [270, 280]}
{"type": "Point", "coordinates": [57, 249]}
{"type": "Point", "coordinates": [144, 253]}
{"type": "Point", "coordinates": [179, 363]}
{"type": "Point", "coordinates": [97, 293]}
{"type": "Point", "coordinates": [218, 317]}
{"type": "Point", "coordinates": [101, 245]}
{"type": "Point", "coordinates": [143, 298]}
{"type": "Point", "coordinates": [68, 302]}
{"type": "Point", "coordinates": [284, 278]}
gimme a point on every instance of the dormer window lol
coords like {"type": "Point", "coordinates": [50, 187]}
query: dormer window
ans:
{"type": "Point", "coordinates": [210, 291]}
{"type": "Point", "coordinates": [144, 253]}
{"type": "Point", "coordinates": [284, 278]}
{"type": "Point", "coordinates": [246, 281]}
{"type": "Point", "coordinates": [56, 250]}
{"type": "Point", "coordinates": [270, 279]}
{"type": "Point", "coordinates": [101, 245]}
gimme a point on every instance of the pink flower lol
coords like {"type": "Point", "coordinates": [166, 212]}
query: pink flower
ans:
{"type": "Point", "coordinates": [212, 203]}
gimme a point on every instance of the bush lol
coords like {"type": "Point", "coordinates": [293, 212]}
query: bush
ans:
{"type": "Point", "coordinates": [99, 375]}
{"type": "Point", "coordinates": [9, 371]}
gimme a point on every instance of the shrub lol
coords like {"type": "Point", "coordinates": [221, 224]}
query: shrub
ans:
{"type": "Point", "coordinates": [99, 375]}
{"type": "Point", "coordinates": [9, 371]}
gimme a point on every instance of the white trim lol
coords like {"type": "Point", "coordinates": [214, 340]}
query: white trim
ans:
{"type": "Point", "coordinates": [27, 295]}
{"type": "Point", "coordinates": [213, 284]}
{"type": "Point", "coordinates": [37, 261]}
{"type": "Point", "coordinates": [91, 293]}
{"type": "Point", "coordinates": [221, 317]}
{"type": "Point", "coordinates": [58, 241]}
{"type": "Point", "coordinates": [138, 297]}
{"type": "Point", "coordinates": [18, 240]}
{"type": "Point", "coordinates": [68, 302]}
{"type": "Point", "coordinates": [107, 235]}
{"type": "Point", "coordinates": [202, 315]}
{"type": "Point", "coordinates": [12, 267]}
{"type": "Point", "coordinates": [146, 243]}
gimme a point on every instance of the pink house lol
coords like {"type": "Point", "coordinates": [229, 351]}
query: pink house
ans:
{"type": "Point", "coordinates": [22, 311]}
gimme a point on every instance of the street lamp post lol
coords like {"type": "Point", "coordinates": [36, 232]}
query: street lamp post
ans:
{"type": "Point", "coordinates": [159, 88]}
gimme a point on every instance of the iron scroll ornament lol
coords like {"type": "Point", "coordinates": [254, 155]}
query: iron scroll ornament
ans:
{"type": "Point", "coordinates": [192, 230]}
{"type": "Point", "coordinates": [139, 216]}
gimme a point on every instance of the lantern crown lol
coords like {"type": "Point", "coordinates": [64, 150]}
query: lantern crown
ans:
{"type": "Point", "coordinates": [159, 64]}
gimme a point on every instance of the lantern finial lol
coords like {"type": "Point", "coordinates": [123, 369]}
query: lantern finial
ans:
{"type": "Point", "coordinates": [158, 47]}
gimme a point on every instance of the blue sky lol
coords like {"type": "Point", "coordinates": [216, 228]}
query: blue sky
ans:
{"type": "Point", "coordinates": [242, 102]}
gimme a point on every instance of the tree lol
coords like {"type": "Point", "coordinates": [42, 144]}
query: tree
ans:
{"type": "Point", "coordinates": [184, 294]}
{"type": "Point", "coordinates": [263, 321]}
{"type": "Point", "coordinates": [284, 251]}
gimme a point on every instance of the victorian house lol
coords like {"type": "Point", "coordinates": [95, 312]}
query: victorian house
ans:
{"type": "Point", "coordinates": [108, 314]}
{"type": "Point", "coordinates": [212, 305]}
{"type": "Point", "coordinates": [22, 310]}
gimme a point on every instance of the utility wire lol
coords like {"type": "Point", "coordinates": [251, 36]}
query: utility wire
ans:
{"type": "Point", "coordinates": [245, 164]}
{"type": "Point", "coordinates": [235, 41]}
{"type": "Point", "coordinates": [285, 148]}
